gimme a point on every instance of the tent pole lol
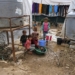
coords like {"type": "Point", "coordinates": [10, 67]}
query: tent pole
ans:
{"type": "Point", "coordinates": [65, 29]}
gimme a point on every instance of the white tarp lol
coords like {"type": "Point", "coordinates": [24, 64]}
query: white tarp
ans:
{"type": "Point", "coordinates": [72, 6]}
{"type": "Point", "coordinates": [27, 10]}
{"type": "Point", "coordinates": [70, 27]}
{"type": "Point", "coordinates": [54, 2]}
{"type": "Point", "coordinates": [69, 23]}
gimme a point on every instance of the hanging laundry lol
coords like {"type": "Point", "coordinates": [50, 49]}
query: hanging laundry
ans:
{"type": "Point", "coordinates": [47, 10]}
{"type": "Point", "coordinates": [50, 8]}
{"type": "Point", "coordinates": [61, 10]}
{"type": "Point", "coordinates": [66, 9]}
{"type": "Point", "coordinates": [35, 8]}
{"type": "Point", "coordinates": [56, 9]}
{"type": "Point", "coordinates": [40, 8]}
{"type": "Point", "coordinates": [44, 9]}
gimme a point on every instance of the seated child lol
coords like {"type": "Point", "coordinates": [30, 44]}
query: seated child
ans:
{"type": "Point", "coordinates": [23, 37]}
{"type": "Point", "coordinates": [35, 37]}
{"type": "Point", "coordinates": [28, 44]}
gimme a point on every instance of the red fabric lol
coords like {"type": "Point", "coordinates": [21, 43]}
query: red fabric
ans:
{"type": "Point", "coordinates": [34, 41]}
{"type": "Point", "coordinates": [35, 38]}
{"type": "Point", "coordinates": [27, 44]}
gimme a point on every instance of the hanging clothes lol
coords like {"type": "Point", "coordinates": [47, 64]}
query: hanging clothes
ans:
{"type": "Point", "coordinates": [50, 8]}
{"type": "Point", "coordinates": [61, 10]}
{"type": "Point", "coordinates": [66, 9]}
{"type": "Point", "coordinates": [35, 8]}
{"type": "Point", "coordinates": [40, 8]}
{"type": "Point", "coordinates": [45, 9]}
{"type": "Point", "coordinates": [56, 9]}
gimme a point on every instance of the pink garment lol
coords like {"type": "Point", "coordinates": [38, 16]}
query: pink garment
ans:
{"type": "Point", "coordinates": [45, 26]}
{"type": "Point", "coordinates": [27, 44]}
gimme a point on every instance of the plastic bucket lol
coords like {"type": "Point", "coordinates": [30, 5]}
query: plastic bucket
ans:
{"type": "Point", "coordinates": [42, 43]}
{"type": "Point", "coordinates": [59, 41]}
{"type": "Point", "coordinates": [49, 37]}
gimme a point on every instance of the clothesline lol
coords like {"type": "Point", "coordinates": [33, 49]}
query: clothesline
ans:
{"type": "Point", "coordinates": [51, 10]}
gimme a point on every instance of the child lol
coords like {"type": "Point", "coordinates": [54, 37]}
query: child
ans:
{"type": "Point", "coordinates": [23, 37]}
{"type": "Point", "coordinates": [34, 23]}
{"type": "Point", "coordinates": [35, 37]}
{"type": "Point", "coordinates": [45, 27]}
{"type": "Point", "coordinates": [28, 44]}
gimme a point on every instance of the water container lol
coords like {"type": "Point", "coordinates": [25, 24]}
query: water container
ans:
{"type": "Point", "coordinates": [42, 43]}
{"type": "Point", "coordinates": [11, 8]}
{"type": "Point", "coordinates": [48, 37]}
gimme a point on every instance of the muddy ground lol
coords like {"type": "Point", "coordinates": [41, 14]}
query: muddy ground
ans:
{"type": "Point", "coordinates": [59, 60]}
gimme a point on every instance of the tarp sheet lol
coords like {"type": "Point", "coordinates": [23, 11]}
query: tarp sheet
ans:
{"type": "Point", "coordinates": [54, 2]}
{"type": "Point", "coordinates": [72, 6]}
{"type": "Point", "coordinates": [70, 28]}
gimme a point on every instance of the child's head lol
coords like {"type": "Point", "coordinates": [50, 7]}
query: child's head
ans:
{"type": "Point", "coordinates": [46, 19]}
{"type": "Point", "coordinates": [35, 29]}
{"type": "Point", "coordinates": [24, 32]}
{"type": "Point", "coordinates": [30, 37]}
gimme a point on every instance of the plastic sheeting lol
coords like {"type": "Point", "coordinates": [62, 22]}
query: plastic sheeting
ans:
{"type": "Point", "coordinates": [27, 4]}
{"type": "Point", "coordinates": [70, 27]}
{"type": "Point", "coordinates": [54, 2]}
{"type": "Point", "coordinates": [27, 10]}
{"type": "Point", "coordinates": [69, 23]}
{"type": "Point", "coordinates": [72, 6]}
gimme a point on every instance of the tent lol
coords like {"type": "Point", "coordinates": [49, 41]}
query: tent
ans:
{"type": "Point", "coordinates": [27, 10]}
{"type": "Point", "coordinates": [54, 2]}
{"type": "Point", "coordinates": [27, 4]}
{"type": "Point", "coordinates": [69, 25]}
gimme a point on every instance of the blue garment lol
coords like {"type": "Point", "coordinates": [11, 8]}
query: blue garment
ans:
{"type": "Point", "coordinates": [50, 9]}
{"type": "Point", "coordinates": [56, 8]}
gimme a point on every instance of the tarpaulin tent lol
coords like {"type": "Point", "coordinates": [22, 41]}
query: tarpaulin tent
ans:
{"type": "Point", "coordinates": [54, 2]}
{"type": "Point", "coordinates": [69, 25]}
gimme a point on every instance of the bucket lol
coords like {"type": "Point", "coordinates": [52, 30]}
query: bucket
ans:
{"type": "Point", "coordinates": [42, 43]}
{"type": "Point", "coordinates": [59, 41]}
{"type": "Point", "coordinates": [48, 37]}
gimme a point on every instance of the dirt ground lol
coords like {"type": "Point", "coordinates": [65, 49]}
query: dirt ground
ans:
{"type": "Point", "coordinates": [59, 60]}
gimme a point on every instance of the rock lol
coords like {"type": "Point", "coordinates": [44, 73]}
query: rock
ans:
{"type": "Point", "coordinates": [4, 61]}
{"type": "Point", "coordinates": [17, 54]}
{"type": "Point", "coordinates": [10, 47]}
{"type": "Point", "coordinates": [72, 42]}
{"type": "Point", "coordinates": [72, 46]}
{"type": "Point", "coordinates": [65, 45]}
{"type": "Point", "coordinates": [19, 62]}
